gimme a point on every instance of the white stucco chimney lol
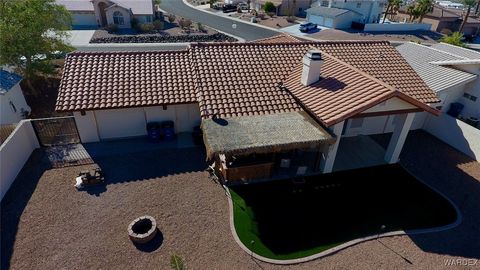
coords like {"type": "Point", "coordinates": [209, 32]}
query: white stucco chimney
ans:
{"type": "Point", "coordinates": [312, 63]}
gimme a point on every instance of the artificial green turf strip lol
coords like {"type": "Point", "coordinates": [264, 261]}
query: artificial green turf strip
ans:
{"type": "Point", "coordinates": [243, 220]}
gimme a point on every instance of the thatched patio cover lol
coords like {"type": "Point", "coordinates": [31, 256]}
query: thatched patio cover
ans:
{"type": "Point", "coordinates": [262, 134]}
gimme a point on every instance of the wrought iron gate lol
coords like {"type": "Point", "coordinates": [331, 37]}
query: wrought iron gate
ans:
{"type": "Point", "coordinates": [56, 131]}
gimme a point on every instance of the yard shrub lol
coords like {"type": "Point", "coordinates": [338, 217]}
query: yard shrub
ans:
{"type": "Point", "coordinates": [261, 15]}
{"type": "Point", "coordinates": [147, 27]}
{"type": "Point", "coordinates": [111, 28]}
{"type": "Point", "coordinates": [171, 18]}
{"type": "Point", "coordinates": [184, 23]}
{"type": "Point", "coordinates": [454, 39]}
{"type": "Point", "coordinates": [177, 263]}
{"type": "Point", "coordinates": [158, 25]}
{"type": "Point", "coordinates": [134, 23]}
{"type": "Point", "coordinates": [200, 27]}
{"type": "Point", "coordinates": [269, 7]}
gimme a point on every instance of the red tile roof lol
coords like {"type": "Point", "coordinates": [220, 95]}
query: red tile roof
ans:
{"type": "Point", "coordinates": [281, 38]}
{"type": "Point", "coordinates": [229, 79]}
{"type": "Point", "coordinates": [342, 92]}
{"type": "Point", "coordinates": [125, 79]}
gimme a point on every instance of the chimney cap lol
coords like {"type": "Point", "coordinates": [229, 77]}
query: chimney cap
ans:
{"type": "Point", "coordinates": [314, 54]}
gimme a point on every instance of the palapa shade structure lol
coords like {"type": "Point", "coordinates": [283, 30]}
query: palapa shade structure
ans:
{"type": "Point", "coordinates": [269, 133]}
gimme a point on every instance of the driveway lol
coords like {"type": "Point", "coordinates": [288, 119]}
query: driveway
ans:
{"type": "Point", "coordinates": [294, 30]}
{"type": "Point", "coordinates": [242, 30]}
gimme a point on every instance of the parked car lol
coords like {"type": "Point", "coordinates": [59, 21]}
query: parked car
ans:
{"type": "Point", "coordinates": [306, 27]}
{"type": "Point", "coordinates": [229, 8]}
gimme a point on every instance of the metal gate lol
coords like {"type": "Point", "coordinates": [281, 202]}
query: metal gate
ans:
{"type": "Point", "coordinates": [56, 131]}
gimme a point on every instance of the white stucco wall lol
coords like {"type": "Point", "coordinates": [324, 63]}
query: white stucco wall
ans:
{"type": "Point", "coordinates": [381, 124]}
{"type": "Point", "coordinates": [131, 122]}
{"type": "Point", "coordinates": [87, 126]}
{"type": "Point", "coordinates": [456, 133]}
{"type": "Point", "coordinates": [7, 113]}
{"type": "Point", "coordinates": [126, 16]}
{"type": "Point", "coordinates": [392, 27]}
{"type": "Point", "coordinates": [121, 123]}
{"type": "Point", "coordinates": [144, 18]}
{"type": "Point", "coordinates": [14, 152]}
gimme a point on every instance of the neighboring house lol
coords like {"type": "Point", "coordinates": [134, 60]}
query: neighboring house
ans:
{"type": "Point", "coordinates": [284, 7]}
{"type": "Point", "coordinates": [89, 14]}
{"type": "Point", "coordinates": [299, 101]}
{"type": "Point", "coordinates": [13, 106]}
{"type": "Point", "coordinates": [442, 19]}
{"type": "Point", "coordinates": [340, 14]}
{"type": "Point", "coordinates": [451, 71]}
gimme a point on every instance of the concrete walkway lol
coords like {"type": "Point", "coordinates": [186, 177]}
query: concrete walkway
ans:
{"type": "Point", "coordinates": [357, 152]}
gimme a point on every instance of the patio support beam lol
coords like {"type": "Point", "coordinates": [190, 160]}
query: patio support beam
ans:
{"type": "Point", "coordinates": [328, 159]}
{"type": "Point", "coordinates": [403, 122]}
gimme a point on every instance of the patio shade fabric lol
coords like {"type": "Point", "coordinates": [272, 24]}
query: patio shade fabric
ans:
{"type": "Point", "coordinates": [262, 134]}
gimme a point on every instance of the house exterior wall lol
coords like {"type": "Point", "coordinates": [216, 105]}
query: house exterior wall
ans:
{"type": "Point", "coordinates": [456, 133]}
{"type": "Point", "coordinates": [143, 18]}
{"type": "Point", "coordinates": [14, 152]}
{"type": "Point", "coordinates": [126, 16]}
{"type": "Point", "coordinates": [131, 122]}
{"type": "Point", "coordinates": [13, 98]}
{"type": "Point", "coordinates": [121, 123]}
{"type": "Point", "coordinates": [381, 124]}
{"type": "Point", "coordinates": [472, 108]}
{"type": "Point", "coordinates": [370, 10]}
{"type": "Point", "coordinates": [392, 27]}
{"type": "Point", "coordinates": [86, 126]}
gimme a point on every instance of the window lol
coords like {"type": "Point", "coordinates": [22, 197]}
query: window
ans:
{"type": "Point", "coordinates": [380, 4]}
{"type": "Point", "coordinates": [325, 3]}
{"type": "Point", "coordinates": [149, 19]}
{"type": "Point", "coordinates": [470, 97]}
{"type": "Point", "coordinates": [14, 109]}
{"type": "Point", "coordinates": [359, 5]}
{"type": "Point", "coordinates": [118, 18]}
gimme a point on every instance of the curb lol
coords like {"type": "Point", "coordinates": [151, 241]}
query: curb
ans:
{"type": "Point", "coordinates": [346, 244]}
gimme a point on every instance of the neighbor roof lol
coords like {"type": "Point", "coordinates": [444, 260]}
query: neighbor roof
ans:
{"type": "Point", "coordinates": [281, 38]}
{"type": "Point", "coordinates": [8, 80]}
{"type": "Point", "coordinates": [457, 51]}
{"type": "Point", "coordinates": [76, 5]}
{"type": "Point", "coordinates": [138, 7]}
{"type": "Point", "coordinates": [106, 80]}
{"type": "Point", "coordinates": [438, 78]}
{"type": "Point", "coordinates": [262, 134]}
{"type": "Point", "coordinates": [327, 12]}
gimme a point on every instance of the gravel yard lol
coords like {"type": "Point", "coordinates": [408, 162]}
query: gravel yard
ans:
{"type": "Point", "coordinates": [47, 224]}
{"type": "Point", "coordinates": [172, 33]}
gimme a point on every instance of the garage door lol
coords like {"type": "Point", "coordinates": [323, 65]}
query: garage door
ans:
{"type": "Point", "coordinates": [121, 123]}
{"type": "Point", "coordinates": [84, 19]}
{"type": "Point", "coordinates": [316, 19]}
{"type": "Point", "coordinates": [329, 22]}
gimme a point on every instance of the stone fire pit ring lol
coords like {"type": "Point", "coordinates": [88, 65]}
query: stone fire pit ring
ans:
{"type": "Point", "coordinates": [142, 229]}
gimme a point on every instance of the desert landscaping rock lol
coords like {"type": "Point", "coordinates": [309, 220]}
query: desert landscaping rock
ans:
{"type": "Point", "coordinates": [160, 38]}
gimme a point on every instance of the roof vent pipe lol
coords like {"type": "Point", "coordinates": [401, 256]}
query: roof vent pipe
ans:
{"type": "Point", "coordinates": [312, 63]}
